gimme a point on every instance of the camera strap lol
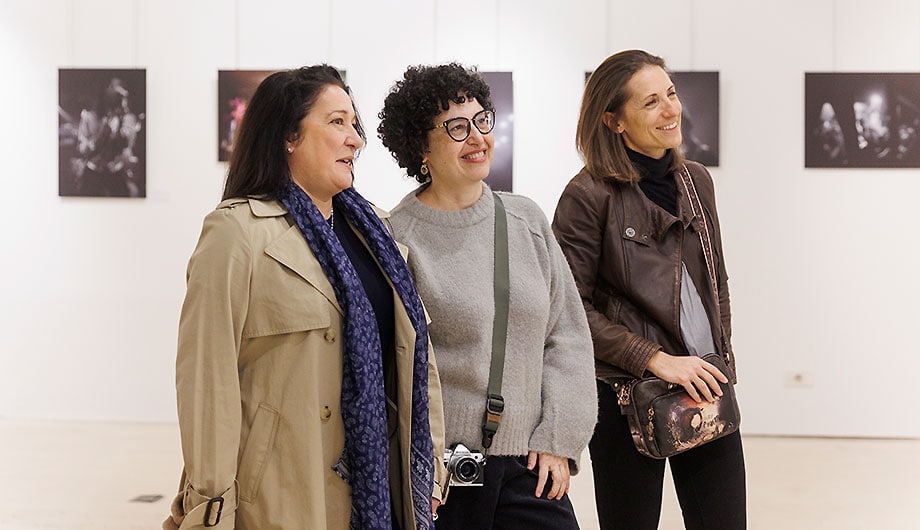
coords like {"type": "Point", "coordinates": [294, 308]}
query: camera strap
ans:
{"type": "Point", "coordinates": [495, 403]}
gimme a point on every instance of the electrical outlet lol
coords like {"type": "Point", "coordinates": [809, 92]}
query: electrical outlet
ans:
{"type": "Point", "coordinates": [798, 379]}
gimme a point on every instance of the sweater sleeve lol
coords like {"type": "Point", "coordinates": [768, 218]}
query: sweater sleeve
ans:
{"type": "Point", "coordinates": [569, 392]}
{"type": "Point", "coordinates": [207, 377]}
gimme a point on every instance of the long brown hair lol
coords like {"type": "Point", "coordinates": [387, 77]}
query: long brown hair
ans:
{"type": "Point", "coordinates": [602, 150]}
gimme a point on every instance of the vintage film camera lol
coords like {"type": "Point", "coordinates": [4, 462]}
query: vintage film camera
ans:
{"type": "Point", "coordinates": [464, 467]}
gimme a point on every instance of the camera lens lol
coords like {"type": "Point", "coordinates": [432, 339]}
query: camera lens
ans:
{"type": "Point", "coordinates": [466, 470]}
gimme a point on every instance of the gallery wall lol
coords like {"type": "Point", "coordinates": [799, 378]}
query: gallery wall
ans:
{"type": "Point", "coordinates": [822, 261]}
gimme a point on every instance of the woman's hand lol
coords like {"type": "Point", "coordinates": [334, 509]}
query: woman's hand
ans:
{"type": "Point", "coordinates": [557, 466]}
{"type": "Point", "coordinates": [698, 377]}
{"type": "Point", "coordinates": [176, 515]}
{"type": "Point", "coordinates": [435, 504]}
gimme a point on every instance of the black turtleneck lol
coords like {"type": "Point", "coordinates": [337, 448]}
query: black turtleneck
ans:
{"type": "Point", "coordinates": [657, 182]}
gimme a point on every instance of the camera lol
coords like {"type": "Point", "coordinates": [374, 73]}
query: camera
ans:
{"type": "Point", "coordinates": [464, 466]}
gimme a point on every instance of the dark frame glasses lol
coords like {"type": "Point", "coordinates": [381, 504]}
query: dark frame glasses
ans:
{"type": "Point", "coordinates": [459, 129]}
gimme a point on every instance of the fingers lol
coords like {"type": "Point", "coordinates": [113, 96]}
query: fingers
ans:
{"type": "Point", "coordinates": [554, 469]}
{"type": "Point", "coordinates": [711, 383]}
{"type": "Point", "coordinates": [531, 460]}
{"type": "Point", "coordinates": [699, 378]}
{"type": "Point", "coordinates": [715, 372]}
{"type": "Point", "coordinates": [542, 474]}
{"type": "Point", "coordinates": [560, 474]}
{"type": "Point", "coordinates": [691, 391]}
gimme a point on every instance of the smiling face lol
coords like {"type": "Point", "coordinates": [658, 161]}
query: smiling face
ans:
{"type": "Point", "coordinates": [455, 163]}
{"type": "Point", "coordinates": [322, 154]}
{"type": "Point", "coordinates": [650, 118]}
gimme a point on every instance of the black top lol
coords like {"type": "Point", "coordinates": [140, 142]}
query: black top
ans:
{"type": "Point", "coordinates": [375, 283]}
{"type": "Point", "coordinates": [658, 184]}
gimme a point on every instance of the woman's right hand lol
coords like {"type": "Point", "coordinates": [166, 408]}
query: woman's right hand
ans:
{"type": "Point", "coordinates": [699, 378]}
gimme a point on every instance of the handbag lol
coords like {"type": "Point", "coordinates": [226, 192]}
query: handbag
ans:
{"type": "Point", "coordinates": [663, 419]}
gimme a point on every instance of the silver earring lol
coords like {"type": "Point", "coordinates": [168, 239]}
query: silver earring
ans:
{"type": "Point", "coordinates": [290, 149]}
{"type": "Point", "coordinates": [424, 168]}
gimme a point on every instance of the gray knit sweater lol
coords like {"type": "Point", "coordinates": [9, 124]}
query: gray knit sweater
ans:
{"type": "Point", "coordinates": [548, 385]}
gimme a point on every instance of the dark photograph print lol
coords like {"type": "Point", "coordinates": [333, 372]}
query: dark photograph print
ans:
{"type": "Point", "coordinates": [868, 120]}
{"type": "Point", "coordinates": [234, 90]}
{"type": "Point", "coordinates": [699, 122]}
{"type": "Point", "coordinates": [501, 175]}
{"type": "Point", "coordinates": [699, 97]}
{"type": "Point", "coordinates": [101, 133]}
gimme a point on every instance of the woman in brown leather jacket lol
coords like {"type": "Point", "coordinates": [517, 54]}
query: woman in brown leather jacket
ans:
{"type": "Point", "coordinates": [627, 228]}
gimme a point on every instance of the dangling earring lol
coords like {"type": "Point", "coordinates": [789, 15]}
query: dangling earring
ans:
{"type": "Point", "coordinates": [424, 168]}
{"type": "Point", "coordinates": [290, 149]}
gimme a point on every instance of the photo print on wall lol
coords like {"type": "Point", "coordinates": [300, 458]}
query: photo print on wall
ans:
{"type": "Point", "coordinates": [102, 133]}
{"type": "Point", "coordinates": [699, 97]}
{"type": "Point", "coordinates": [234, 90]}
{"type": "Point", "coordinates": [699, 123]}
{"type": "Point", "coordinates": [501, 85]}
{"type": "Point", "coordinates": [862, 120]}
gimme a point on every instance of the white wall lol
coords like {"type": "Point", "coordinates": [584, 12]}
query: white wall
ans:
{"type": "Point", "coordinates": [822, 261]}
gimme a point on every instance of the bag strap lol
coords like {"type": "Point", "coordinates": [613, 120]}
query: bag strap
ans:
{"type": "Point", "coordinates": [696, 207]}
{"type": "Point", "coordinates": [495, 403]}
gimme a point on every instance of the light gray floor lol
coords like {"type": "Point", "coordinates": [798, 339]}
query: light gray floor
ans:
{"type": "Point", "coordinates": [85, 475]}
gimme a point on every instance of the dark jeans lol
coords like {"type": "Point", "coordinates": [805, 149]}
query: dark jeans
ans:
{"type": "Point", "coordinates": [505, 501]}
{"type": "Point", "coordinates": [628, 486]}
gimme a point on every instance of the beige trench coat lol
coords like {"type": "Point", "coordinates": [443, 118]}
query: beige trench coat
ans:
{"type": "Point", "coordinates": [258, 380]}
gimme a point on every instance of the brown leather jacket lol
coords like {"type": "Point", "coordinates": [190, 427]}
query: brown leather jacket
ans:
{"type": "Point", "coordinates": [625, 252]}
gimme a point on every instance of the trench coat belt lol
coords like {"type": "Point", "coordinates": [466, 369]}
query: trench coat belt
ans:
{"type": "Point", "coordinates": [209, 511]}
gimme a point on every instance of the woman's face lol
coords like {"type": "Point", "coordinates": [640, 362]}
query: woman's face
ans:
{"type": "Point", "coordinates": [455, 163]}
{"type": "Point", "coordinates": [650, 119]}
{"type": "Point", "coordinates": [324, 149]}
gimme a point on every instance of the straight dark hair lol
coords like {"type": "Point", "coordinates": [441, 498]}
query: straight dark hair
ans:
{"type": "Point", "coordinates": [604, 151]}
{"type": "Point", "coordinates": [258, 163]}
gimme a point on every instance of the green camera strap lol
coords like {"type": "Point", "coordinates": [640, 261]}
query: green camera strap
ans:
{"type": "Point", "coordinates": [495, 403]}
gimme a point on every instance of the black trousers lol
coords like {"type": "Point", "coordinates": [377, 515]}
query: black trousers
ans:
{"type": "Point", "coordinates": [505, 501]}
{"type": "Point", "coordinates": [628, 486]}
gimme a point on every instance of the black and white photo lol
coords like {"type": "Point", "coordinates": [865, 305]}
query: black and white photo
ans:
{"type": "Point", "coordinates": [868, 120]}
{"type": "Point", "coordinates": [102, 133]}
{"type": "Point", "coordinates": [699, 97]}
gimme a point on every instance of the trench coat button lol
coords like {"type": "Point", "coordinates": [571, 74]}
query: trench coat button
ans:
{"type": "Point", "coordinates": [329, 335]}
{"type": "Point", "coordinates": [630, 232]}
{"type": "Point", "coordinates": [326, 413]}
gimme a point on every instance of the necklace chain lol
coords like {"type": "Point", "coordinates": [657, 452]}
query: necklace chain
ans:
{"type": "Point", "coordinates": [331, 217]}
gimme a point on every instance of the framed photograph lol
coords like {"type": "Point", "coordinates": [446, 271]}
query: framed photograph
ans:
{"type": "Point", "coordinates": [868, 120]}
{"type": "Point", "coordinates": [501, 175]}
{"type": "Point", "coordinates": [699, 98]}
{"type": "Point", "coordinates": [234, 90]}
{"type": "Point", "coordinates": [102, 133]}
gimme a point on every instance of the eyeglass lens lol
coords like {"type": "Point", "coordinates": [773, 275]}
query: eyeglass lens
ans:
{"type": "Point", "coordinates": [459, 128]}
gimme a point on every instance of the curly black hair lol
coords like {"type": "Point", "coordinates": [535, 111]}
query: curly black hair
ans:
{"type": "Point", "coordinates": [413, 102]}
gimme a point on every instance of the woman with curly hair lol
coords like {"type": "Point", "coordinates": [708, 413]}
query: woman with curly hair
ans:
{"type": "Point", "coordinates": [437, 123]}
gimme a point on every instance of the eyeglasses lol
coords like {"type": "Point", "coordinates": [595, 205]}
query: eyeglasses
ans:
{"type": "Point", "coordinates": [459, 129]}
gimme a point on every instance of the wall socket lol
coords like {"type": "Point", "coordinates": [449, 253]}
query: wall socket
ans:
{"type": "Point", "coordinates": [798, 379]}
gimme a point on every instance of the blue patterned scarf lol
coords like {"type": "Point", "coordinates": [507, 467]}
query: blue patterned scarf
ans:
{"type": "Point", "coordinates": [364, 460]}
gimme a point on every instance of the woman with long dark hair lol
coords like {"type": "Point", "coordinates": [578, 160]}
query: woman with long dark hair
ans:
{"type": "Point", "coordinates": [307, 397]}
